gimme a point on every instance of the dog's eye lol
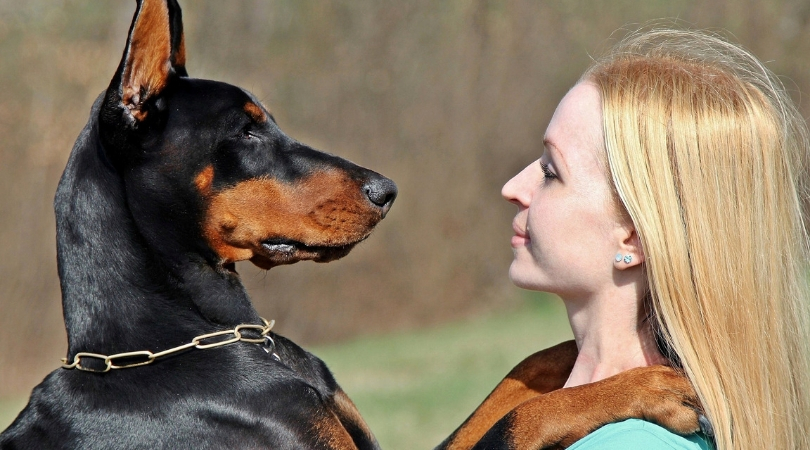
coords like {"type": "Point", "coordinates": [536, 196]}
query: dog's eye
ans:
{"type": "Point", "coordinates": [249, 135]}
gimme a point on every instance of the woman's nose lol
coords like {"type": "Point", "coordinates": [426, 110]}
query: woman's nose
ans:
{"type": "Point", "coordinates": [517, 190]}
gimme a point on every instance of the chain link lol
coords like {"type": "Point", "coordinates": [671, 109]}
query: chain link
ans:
{"type": "Point", "coordinates": [144, 357]}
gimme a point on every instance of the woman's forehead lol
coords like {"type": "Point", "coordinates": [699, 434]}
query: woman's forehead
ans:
{"type": "Point", "coordinates": [575, 129]}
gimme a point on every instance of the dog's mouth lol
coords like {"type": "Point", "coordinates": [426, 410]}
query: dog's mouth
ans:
{"type": "Point", "coordinates": [276, 252]}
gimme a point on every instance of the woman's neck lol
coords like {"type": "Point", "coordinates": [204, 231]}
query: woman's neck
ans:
{"type": "Point", "coordinates": [612, 336]}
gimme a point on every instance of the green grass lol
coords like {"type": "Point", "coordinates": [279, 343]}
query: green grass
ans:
{"type": "Point", "coordinates": [415, 388]}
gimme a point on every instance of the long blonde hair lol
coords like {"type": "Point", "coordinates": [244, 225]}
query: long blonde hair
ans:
{"type": "Point", "coordinates": [707, 155]}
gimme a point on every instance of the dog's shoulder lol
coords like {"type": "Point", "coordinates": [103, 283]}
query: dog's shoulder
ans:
{"type": "Point", "coordinates": [306, 365]}
{"type": "Point", "coordinates": [260, 401]}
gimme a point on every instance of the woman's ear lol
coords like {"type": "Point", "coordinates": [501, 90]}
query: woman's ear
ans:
{"type": "Point", "coordinates": [629, 252]}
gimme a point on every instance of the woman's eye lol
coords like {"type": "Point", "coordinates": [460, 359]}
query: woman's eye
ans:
{"type": "Point", "coordinates": [547, 173]}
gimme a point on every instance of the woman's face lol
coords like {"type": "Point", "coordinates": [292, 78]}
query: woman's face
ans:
{"type": "Point", "coordinates": [567, 230]}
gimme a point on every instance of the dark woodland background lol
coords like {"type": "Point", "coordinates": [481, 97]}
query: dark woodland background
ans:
{"type": "Point", "coordinates": [448, 98]}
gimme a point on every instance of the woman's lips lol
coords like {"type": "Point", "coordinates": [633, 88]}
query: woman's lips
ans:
{"type": "Point", "coordinates": [520, 238]}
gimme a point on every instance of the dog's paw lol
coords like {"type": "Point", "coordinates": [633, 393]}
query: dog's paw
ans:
{"type": "Point", "coordinates": [661, 395]}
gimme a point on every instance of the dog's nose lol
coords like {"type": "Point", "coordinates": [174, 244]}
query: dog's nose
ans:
{"type": "Point", "coordinates": [381, 191]}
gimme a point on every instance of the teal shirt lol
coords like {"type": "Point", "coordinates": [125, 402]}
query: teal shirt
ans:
{"type": "Point", "coordinates": [635, 434]}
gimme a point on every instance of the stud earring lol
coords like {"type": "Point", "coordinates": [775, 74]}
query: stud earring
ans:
{"type": "Point", "coordinates": [628, 258]}
{"type": "Point", "coordinates": [618, 257]}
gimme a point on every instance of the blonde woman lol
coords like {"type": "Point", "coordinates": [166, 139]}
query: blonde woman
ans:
{"type": "Point", "coordinates": [667, 211]}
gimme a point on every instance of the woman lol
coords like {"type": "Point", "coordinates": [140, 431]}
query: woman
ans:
{"type": "Point", "coordinates": [667, 211]}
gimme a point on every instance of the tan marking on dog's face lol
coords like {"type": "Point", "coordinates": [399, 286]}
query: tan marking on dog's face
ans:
{"type": "Point", "coordinates": [204, 179]}
{"type": "Point", "coordinates": [255, 112]}
{"type": "Point", "coordinates": [325, 209]}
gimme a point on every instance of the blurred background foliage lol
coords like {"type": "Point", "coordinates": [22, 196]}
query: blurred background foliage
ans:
{"type": "Point", "coordinates": [448, 98]}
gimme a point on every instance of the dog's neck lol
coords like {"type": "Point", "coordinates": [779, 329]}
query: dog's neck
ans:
{"type": "Point", "coordinates": [113, 285]}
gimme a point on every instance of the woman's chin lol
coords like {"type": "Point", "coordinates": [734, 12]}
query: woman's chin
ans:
{"type": "Point", "coordinates": [522, 277]}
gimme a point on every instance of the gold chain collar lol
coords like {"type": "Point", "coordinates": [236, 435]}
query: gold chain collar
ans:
{"type": "Point", "coordinates": [145, 357]}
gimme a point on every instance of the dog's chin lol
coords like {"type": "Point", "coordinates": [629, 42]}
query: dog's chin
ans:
{"type": "Point", "coordinates": [276, 253]}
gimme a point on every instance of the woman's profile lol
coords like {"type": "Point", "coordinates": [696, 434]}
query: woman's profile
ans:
{"type": "Point", "coordinates": [668, 211]}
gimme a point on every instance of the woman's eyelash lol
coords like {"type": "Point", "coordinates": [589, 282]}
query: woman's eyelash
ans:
{"type": "Point", "coordinates": [547, 173]}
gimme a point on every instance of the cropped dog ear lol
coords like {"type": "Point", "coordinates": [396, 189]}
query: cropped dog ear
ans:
{"type": "Point", "coordinates": [155, 52]}
{"type": "Point", "coordinates": [178, 57]}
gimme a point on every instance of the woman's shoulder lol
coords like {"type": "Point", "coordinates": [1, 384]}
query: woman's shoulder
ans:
{"type": "Point", "coordinates": [635, 434]}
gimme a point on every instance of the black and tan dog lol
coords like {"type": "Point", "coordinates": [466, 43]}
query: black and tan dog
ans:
{"type": "Point", "coordinates": [171, 182]}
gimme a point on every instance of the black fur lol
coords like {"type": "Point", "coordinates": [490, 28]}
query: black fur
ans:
{"type": "Point", "coordinates": [137, 274]}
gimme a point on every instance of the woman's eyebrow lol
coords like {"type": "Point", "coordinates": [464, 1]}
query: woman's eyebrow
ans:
{"type": "Point", "coordinates": [554, 153]}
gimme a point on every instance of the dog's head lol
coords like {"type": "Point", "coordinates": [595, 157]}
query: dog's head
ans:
{"type": "Point", "coordinates": [207, 170]}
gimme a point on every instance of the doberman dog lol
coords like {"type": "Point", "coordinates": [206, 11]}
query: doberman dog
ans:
{"type": "Point", "coordinates": [171, 182]}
